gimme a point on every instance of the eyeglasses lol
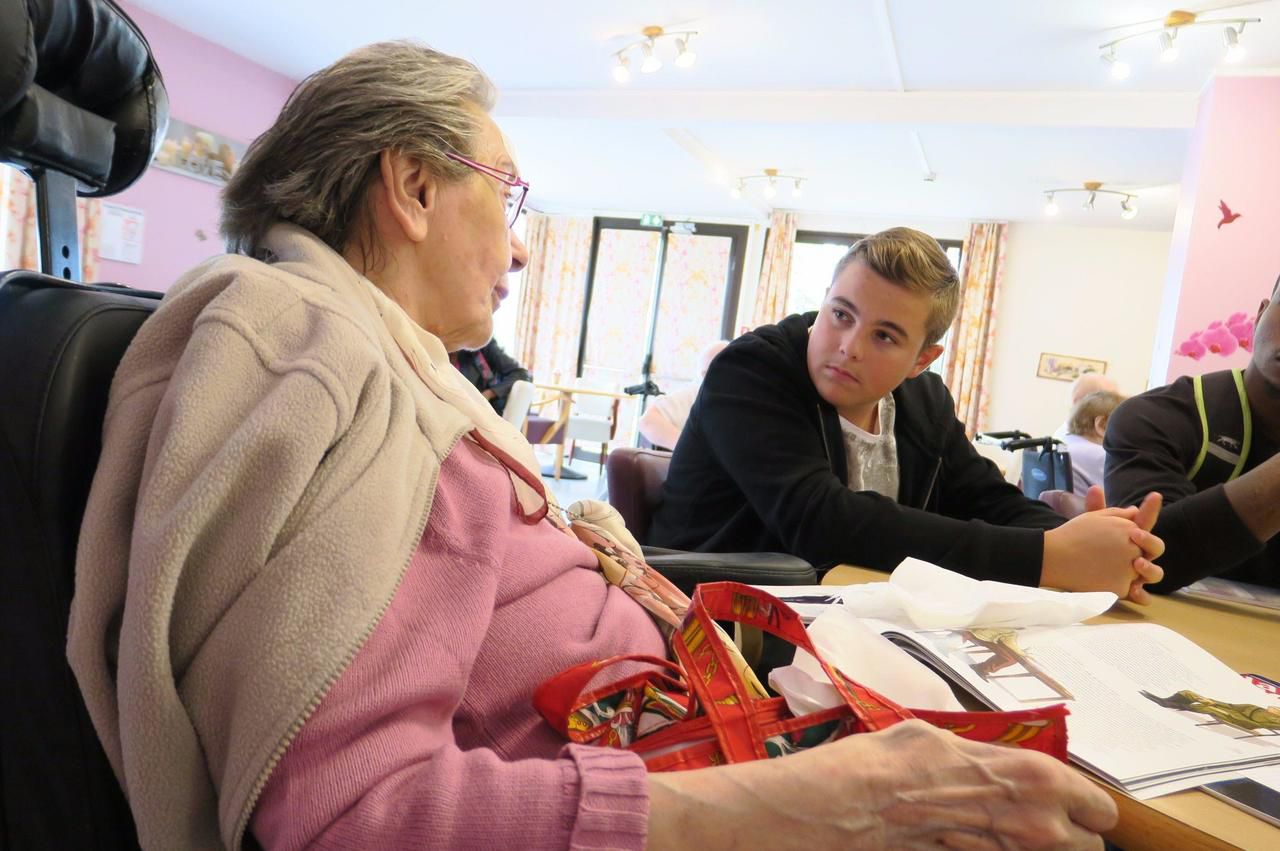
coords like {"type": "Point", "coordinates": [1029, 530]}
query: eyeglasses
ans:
{"type": "Point", "coordinates": [514, 198]}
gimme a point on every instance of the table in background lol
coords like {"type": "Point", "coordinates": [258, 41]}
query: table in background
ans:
{"type": "Point", "coordinates": [1246, 639]}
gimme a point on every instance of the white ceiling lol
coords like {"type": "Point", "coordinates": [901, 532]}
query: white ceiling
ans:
{"type": "Point", "coordinates": [1007, 98]}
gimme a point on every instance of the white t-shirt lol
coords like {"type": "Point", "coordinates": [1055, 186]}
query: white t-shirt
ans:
{"type": "Point", "coordinates": [873, 458]}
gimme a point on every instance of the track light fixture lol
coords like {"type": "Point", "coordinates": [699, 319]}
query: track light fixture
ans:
{"type": "Point", "coordinates": [684, 56]}
{"type": "Point", "coordinates": [770, 176]}
{"type": "Point", "coordinates": [1093, 188]}
{"type": "Point", "coordinates": [647, 44]}
{"type": "Point", "coordinates": [651, 61]}
{"type": "Point", "coordinates": [622, 70]}
{"type": "Point", "coordinates": [1166, 39]}
{"type": "Point", "coordinates": [1119, 68]}
{"type": "Point", "coordinates": [1231, 38]}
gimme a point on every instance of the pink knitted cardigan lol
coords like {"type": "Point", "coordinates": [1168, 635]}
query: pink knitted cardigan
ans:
{"type": "Point", "coordinates": [429, 738]}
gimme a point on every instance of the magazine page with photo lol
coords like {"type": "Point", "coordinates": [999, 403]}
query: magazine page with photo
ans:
{"type": "Point", "coordinates": [1151, 711]}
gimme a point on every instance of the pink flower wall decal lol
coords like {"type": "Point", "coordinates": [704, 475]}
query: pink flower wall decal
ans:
{"type": "Point", "coordinates": [1221, 337]}
{"type": "Point", "coordinates": [1192, 347]}
{"type": "Point", "coordinates": [1240, 324]}
{"type": "Point", "coordinates": [1219, 340]}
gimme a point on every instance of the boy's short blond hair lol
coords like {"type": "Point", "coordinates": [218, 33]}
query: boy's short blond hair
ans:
{"type": "Point", "coordinates": [914, 261]}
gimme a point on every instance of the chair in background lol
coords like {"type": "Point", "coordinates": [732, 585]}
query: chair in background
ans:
{"type": "Point", "coordinates": [518, 401]}
{"type": "Point", "coordinates": [60, 341]}
{"type": "Point", "coordinates": [635, 481]}
{"type": "Point", "coordinates": [1065, 503]}
{"type": "Point", "coordinates": [635, 486]}
{"type": "Point", "coordinates": [543, 430]}
{"type": "Point", "coordinates": [593, 419]}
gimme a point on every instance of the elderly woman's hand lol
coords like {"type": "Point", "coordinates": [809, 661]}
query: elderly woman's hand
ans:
{"type": "Point", "coordinates": [912, 786]}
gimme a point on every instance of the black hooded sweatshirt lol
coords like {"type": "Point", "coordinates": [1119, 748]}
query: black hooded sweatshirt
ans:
{"type": "Point", "coordinates": [760, 467]}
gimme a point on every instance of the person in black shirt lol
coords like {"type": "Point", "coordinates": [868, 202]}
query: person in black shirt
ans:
{"type": "Point", "coordinates": [492, 371]}
{"type": "Point", "coordinates": [1221, 490]}
{"type": "Point", "coordinates": [825, 437]}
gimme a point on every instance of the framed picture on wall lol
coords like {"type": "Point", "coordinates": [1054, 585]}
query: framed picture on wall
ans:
{"type": "Point", "coordinates": [198, 153]}
{"type": "Point", "coordinates": [1067, 367]}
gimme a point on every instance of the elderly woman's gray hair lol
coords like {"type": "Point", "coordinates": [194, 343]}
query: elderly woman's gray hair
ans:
{"type": "Point", "coordinates": [1084, 415]}
{"type": "Point", "coordinates": [314, 165]}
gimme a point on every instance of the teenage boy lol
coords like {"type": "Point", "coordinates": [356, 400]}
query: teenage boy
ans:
{"type": "Point", "coordinates": [1211, 446]}
{"type": "Point", "coordinates": [823, 436]}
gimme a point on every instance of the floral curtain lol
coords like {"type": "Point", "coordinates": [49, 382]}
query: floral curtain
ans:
{"type": "Point", "coordinates": [549, 317]}
{"type": "Point", "coordinates": [974, 332]}
{"type": "Point", "coordinates": [19, 240]}
{"type": "Point", "coordinates": [775, 273]}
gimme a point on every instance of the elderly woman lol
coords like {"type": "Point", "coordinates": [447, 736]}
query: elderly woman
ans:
{"type": "Point", "coordinates": [1086, 426]}
{"type": "Point", "coordinates": [317, 585]}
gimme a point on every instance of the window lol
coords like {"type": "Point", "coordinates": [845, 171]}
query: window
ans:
{"type": "Point", "coordinates": [814, 258]}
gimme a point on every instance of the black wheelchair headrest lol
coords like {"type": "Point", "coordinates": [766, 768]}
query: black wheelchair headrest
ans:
{"type": "Point", "coordinates": [79, 92]}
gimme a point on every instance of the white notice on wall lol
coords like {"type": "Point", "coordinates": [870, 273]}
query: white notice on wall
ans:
{"type": "Point", "coordinates": [121, 234]}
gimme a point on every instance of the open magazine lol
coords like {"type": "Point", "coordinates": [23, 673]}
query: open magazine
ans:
{"type": "Point", "coordinates": [1216, 588]}
{"type": "Point", "coordinates": [1151, 712]}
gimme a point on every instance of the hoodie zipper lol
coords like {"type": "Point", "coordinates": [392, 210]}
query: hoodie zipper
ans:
{"type": "Point", "coordinates": [822, 430]}
{"type": "Point", "coordinates": [242, 823]}
{"type": "Point", "coordinates": [933, 480]}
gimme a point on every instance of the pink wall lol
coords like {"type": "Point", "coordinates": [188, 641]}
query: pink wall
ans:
{"type": "Point", "coordinates": [213, 88]}
{"type": "Point", "coordinates": [1217, 271]}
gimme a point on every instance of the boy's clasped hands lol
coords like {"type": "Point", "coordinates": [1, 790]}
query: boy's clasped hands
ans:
{"type": "Point", "coordinates": [1109, 549]}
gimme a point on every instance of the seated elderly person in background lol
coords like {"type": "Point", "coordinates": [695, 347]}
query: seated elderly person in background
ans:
{"type": "Point", "coordinates": [1088, 382]}
{"type": "Point", "coordinates": [665, 417]}
{"type": "Point", "coordinates": [1085, 429]}
{"type": "Point", "coordinates": [317, 582]}
{"type": "Point", "coordinates": [491, 371]}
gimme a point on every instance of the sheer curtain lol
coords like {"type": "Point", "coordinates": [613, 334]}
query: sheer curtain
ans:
{"type": "Point", "coordinates": [775, 273]}
{"type": "Point", "coordinates": [974, 332]}
{"type": "Point", "coordinates": [19, 242]}
{"type": "Point", "coordinates": [554, 284]}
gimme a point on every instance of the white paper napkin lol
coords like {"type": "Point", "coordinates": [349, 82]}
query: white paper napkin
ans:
{"type": "Point", "coordinates": [921, 595]}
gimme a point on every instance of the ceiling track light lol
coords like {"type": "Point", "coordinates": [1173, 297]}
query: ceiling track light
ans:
{"type": "Point", "coordinates": [1231, 38]}
{"type": "Point", "coordinates": [647, 44]}
{"type": "Point", "coordinates": [651, 61]}
{"type": "Point", "coordinates": [1166, 36]}
{"type": "Point", "coordinates": [622, 69]}
{"type": "Point", "coordinates": [770, 176]}
{"type": "Point", "coordinates": [685, 57]}
{"type": "Point", "coordinates": [1093, 188]}
{"type": "Point", "coordinates": [1119, 68]}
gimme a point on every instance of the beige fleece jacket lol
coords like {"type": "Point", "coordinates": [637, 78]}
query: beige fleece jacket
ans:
{"type": "Point", "coordinates": [269, 459]}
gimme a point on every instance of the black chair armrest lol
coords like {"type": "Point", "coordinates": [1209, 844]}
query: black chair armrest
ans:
{"type": "Point", "coordinates": [687, 569]}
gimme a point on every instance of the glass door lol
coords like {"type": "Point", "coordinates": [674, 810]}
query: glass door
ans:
{"type": "Point", "coordinates": [655, 297]}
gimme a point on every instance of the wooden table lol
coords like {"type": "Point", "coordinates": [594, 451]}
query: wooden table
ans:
{"type": "Point", "coordinates": [1244, 637]}
{"type": "Point", "coordinates": [566, 393]}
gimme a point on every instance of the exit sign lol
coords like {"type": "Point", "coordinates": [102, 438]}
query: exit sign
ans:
{"type": "Point", "coordinates": [651, 220]}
